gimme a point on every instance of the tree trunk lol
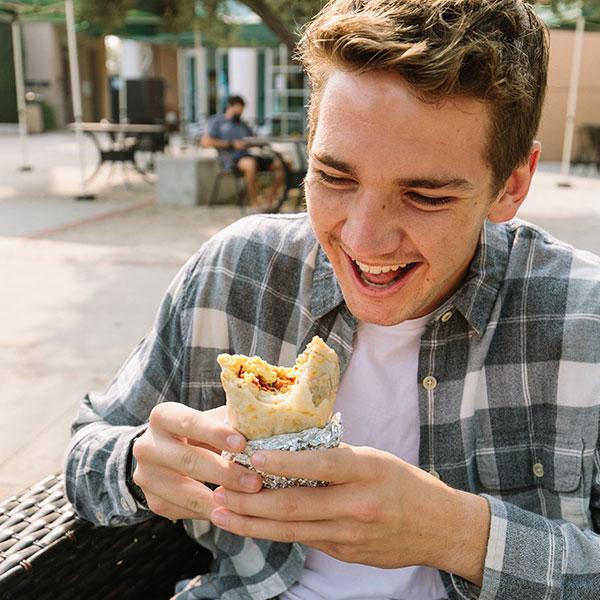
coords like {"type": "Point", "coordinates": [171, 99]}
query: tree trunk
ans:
{"type": "Point", "coordinates": [272, 21]}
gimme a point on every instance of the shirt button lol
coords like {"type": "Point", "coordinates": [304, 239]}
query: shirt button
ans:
{"type": "Point", "coordinates": [100, 517]}
{"type": "Point", "coordinates": [538, 469]}
{"type": "Point", "coordinates": [447, 316]}
{"type": "Point", "coordinates": [435, 473]}
{"type": "Point", "coordinates": [430, 382]}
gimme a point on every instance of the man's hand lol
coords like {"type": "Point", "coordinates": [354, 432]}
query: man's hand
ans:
{"type": "Point", "coordinates": [180, 452]}
{"type": "Point", "coordinates": [239, 145]}
{"type": "Point", "coordinates": [378, 510]}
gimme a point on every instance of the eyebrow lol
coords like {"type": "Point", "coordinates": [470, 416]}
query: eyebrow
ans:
{"type": "Point", "coordinates": [433, 183]}
{"type": "Point", "coordinates": [430, 183]}
{"type": "Point", "coordinates": [339, 165]}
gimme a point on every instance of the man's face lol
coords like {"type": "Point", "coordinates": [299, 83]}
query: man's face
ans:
{"type": "Point", "coordinates": [397, 192]}
{"type": "Point", "coordinates": [235, 111]}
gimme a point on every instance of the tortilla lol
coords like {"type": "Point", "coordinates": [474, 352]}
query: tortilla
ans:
{"type": "Point", "coordinates": [265, 400]}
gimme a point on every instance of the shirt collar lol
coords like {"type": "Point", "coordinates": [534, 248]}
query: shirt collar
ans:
{"type": "Point", "coordinates": [326, 291]}
{"type": "Point", "coordinates": [474, 299]}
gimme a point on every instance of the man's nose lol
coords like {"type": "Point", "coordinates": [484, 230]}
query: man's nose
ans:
{"type": "Point", "coordinates": [372, 228]}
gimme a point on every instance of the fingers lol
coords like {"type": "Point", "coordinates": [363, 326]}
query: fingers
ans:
{"type": "Point", "coordinates": [202, 428]}
{"type": "Point", "coordinates": [336, 465]}
{"type": "Point", "coordinates": [290, 504]}
{"type": "Point", "coordinates": [163, 451]}
{"type": "Point", "coordinates": [277, 531]}
{"type": "Point", "coordinates": [174, 496]}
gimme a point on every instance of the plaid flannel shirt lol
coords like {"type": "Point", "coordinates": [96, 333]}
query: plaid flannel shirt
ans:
{"type": "Point", "coordinates": [508, 401]}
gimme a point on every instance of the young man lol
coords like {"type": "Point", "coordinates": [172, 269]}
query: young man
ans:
{"type": "Point", "coordinates": [468, 340]}
{"type": "Point", "coordinates": [226, 133]}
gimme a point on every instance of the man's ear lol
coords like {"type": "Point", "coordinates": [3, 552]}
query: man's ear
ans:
{"type": "Point", "coordinates": [515, 189]}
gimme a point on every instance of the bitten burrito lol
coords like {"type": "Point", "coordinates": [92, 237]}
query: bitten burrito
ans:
{"type": "Point", "coordinates": [264, 400]}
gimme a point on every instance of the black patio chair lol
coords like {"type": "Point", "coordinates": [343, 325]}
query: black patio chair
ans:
{"type": "Point", "coordinates": [238, 182]}
{"type": "Point", "coordinates": [47, 553]}
{"type": "Point", "coordinates": [588, 148]}
{"type": "Point", "coordinates": [295, 172]}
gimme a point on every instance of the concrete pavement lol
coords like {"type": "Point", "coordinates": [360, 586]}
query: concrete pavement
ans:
{"type": "Point", "coordinates": [81, 282]}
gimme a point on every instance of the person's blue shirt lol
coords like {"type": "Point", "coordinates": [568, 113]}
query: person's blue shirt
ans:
{"type": "Point", "coordinates": [222, 128]}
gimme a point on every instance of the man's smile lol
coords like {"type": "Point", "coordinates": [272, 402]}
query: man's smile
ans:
{"type": "Point", "coordinates": [381, 278]}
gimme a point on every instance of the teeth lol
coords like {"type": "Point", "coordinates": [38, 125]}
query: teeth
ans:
{"type": "Point", "coordinates": [376, 270]}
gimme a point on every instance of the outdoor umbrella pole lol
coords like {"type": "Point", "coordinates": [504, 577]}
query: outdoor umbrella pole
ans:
{"type": "Point", "coordinates": [123, 119]}
{"type": "Point", "coordinates": [20, 87]}
{"type": "Point", "coordinates": [200, 104]}
{"type": "Point", "coordinates": [76, 93]}
{"type": "Point", "coordinates": [572, 102]}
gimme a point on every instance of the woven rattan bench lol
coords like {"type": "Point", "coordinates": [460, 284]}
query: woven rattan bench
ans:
{"type": "Point", "coordinates": [47, 553]}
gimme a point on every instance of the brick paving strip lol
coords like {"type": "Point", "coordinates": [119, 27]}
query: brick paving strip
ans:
{"type": "Point", "coordinates": [91, 219]}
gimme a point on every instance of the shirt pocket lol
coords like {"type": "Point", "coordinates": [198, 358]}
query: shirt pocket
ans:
{"type": "Point", "coordinates": [510, 461]}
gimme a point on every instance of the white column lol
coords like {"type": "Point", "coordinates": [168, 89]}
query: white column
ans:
{"type": "Point", "coordinates": [123, 119]}
{"type": "Point", "coordinates": [243, 78]}
{"type": "Point", "coordinates": [284, 107]}
{"type": "Point", "coordinates": [201, 87]}
{"type": "Point", "coordinates": [269, 84]}
{"type": "Point", "coordinates": [76, 92]}
{"type": "Point", "coordinates": [20, 89]}
{"type": "Point", "coordinates": [572, 102]}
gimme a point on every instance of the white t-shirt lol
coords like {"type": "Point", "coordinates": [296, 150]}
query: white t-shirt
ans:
{"type": "Point", "coordinates": [383, 373]}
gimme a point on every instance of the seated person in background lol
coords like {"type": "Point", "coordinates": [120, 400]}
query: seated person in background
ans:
{"type": "Point", "coordinates": [225, 133]}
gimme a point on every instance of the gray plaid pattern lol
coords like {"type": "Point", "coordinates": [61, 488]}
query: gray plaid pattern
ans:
{"type": "Point", "coordinates": [512, 411]}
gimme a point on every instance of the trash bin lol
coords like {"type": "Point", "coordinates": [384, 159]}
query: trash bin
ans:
{"type": "Point", "coordinates": [34, 114]}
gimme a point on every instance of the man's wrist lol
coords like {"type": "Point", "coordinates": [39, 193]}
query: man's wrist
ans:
{"type": "Point", "coordinates": [134, 489]}
{"type": "Point", "coordinates": [467, 527]}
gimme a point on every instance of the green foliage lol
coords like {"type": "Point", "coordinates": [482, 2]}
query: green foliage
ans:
{"type": "Point", "coordinates": [209, 16]}
{"type": "Point", "coordinates": [208, 19]}
{"type": "Point", "coordinates": [107, 16]}
{"type": "Point", "coordinates": [591, 10]}
{"type": "Point", "coordinates": [295, 13]}
{"type": "Point", "coordinates": [8, 97]}
{"type": "Point", "coordinates": [563, 9]}
{"type": "Point", "coordinates": [176, 15]}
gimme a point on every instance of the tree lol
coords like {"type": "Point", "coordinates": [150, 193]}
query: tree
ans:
{"type": "Point", "coordinates": [284, 19]}
{"type": "Point", "coordinates": [565, 11]}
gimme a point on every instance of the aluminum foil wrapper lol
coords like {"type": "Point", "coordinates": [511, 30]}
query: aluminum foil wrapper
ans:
{"type": "Point", "coordinates": [314, 438]}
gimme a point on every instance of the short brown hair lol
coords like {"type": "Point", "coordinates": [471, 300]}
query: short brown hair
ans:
{"type": "Point", "coordinates": [492, 50]}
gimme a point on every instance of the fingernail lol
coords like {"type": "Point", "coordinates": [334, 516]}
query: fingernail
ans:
{"type": "Point", "coordinates": [249, 481]}
{"type": "Point", "coordinates": [219, 518]}
{"type": "Point", "coordinates": [258, 459]}
{"type": "Point", "coordinates": [219, 496]}
{"type": "Point", "coordinates": [235, 442]}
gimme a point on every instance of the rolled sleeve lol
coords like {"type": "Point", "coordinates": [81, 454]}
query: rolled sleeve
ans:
{"type": "Point", "coordinates": [98, 488]}
{"type": "Point", "coordinates": [530, 556]}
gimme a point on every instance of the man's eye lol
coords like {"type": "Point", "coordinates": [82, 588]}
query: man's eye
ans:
{"type": "Point", "coordinates": [429, 200]}
{"type": "Point", "coordinates": [331, 179]}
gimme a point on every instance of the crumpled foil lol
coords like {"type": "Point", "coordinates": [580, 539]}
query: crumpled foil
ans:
{"type": "Point", "coordinates": [314, 438]}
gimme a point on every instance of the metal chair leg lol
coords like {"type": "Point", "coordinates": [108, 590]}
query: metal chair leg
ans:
{"type": "Point", "coordinates": [215, 188]}
{"type": "Point", "coordinates": [240, 193]}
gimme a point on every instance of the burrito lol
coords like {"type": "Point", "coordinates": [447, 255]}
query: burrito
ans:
{"type": "Point", "coordinates": [265, 400]}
